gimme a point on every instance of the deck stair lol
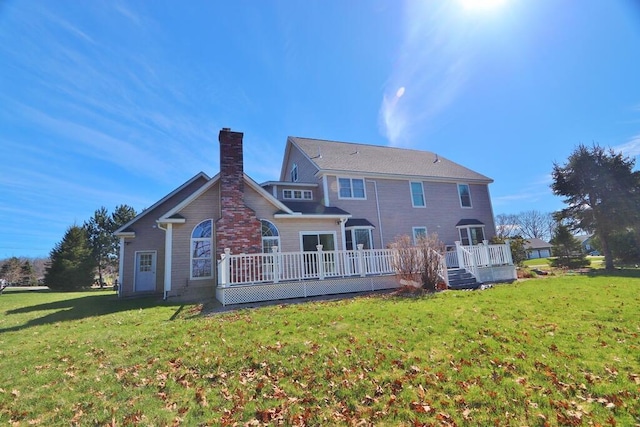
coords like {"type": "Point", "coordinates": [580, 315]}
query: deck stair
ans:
{"type": "Point", "coordinates": [459, 278]}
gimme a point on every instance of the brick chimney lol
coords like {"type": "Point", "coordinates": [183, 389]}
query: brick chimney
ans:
{"type": "Point", "coordinates": [238, 228]}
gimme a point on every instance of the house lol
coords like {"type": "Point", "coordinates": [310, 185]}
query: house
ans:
{"type": "Point", "coordinates": [586, 241]}
{"type": "Point", "coordinates": [537, 248]}
{"type": "Point", "coordinates": [331, 197]}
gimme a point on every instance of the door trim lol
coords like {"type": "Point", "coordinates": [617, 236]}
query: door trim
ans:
{"type": "Point", "coordinates": [136, 268]}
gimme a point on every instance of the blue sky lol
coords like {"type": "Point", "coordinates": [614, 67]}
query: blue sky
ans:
{"type": "Point", "coordinates": [119, 102]}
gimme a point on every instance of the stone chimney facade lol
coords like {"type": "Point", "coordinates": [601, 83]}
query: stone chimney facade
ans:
{"type": "Point", "coordinates": [238, 228]}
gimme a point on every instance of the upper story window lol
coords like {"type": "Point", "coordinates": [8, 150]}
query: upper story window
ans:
{"type": "Point", "coordinates": [201, 250]}
{"type": "Point", "coordinates": [417, 195]}
{"type": "Point", "coordinates": [351, 188]}
{"type": "Point", "coordinates": [270, 236]}
{"type": "Point", "coordinates": [297, 194]}
{"type": "Point", "coordinates": [294, 173]}
{"type": "Point", "coordinates": [465, 195]}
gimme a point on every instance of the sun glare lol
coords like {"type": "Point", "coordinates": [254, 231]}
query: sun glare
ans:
{"type": "Point", "coordinates": [481, 4]}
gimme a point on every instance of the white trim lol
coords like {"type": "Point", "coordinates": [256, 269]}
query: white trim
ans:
{"type": "Point", "coordinates": [458, 184]}
{"type": "Point", "coordinates": [293, 174]}
{"type": "Point", "coordinates": [121, 266]}
{"type": "Point", "coordinates": [413, 232]}
{"type": "Point", "coordinates": [317, 233]}
{"type": "Point", "coordinates": [277, 237]}
{"type": "Point", "coordinates": [380, 175]}
{"type": "Point", "coordinates": [159, 202]}
{"type": "Point", "coordinates": [298, 215]}
{"type": "Point", "coordinates": [168, 254]}
{"type": "Point", "coordinates": [468, 228]}
{"type": "Point", "coordinates": [135, 268]}
{"type": "Point", "coordinates": [293, 192]}
{"type": "Point", "coordinates": [212, 250]}
{"type": "Point", "coordinates": [325, 190]}
{"type": "Point", "coordinates": [351, 179]}
{"type": "Point", "coordinates": [186, 202]}
{"type": "Point", "coordinates": [289, 184]}
{"type": "Point", "coordinates": [352, 230]}
{"type": "Point", "coordinates": [424, 199]}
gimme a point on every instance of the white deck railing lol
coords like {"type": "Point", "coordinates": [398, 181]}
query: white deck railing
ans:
{"type": "Point", "coordinates": [474, 257]}
{"type": "Point", "coordinates": [242, 269]}
{"type": "Point", "coordinates": [276, 267]}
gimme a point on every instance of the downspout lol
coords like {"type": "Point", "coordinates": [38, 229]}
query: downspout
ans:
{"type": "Point", "coordinates": [375, 188]}
{"type": "Point", "coordinates": [121, 267]}
{"type": "Point", "coordinates": [168, 244]}
{"type": "Point", "coordinates": [325, 190]}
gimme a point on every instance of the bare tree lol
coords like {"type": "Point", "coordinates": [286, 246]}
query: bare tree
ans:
{"type": "Point", "coordinates": [533, 224]}
{"type": "Point", "coordinates": [507, 226]}
{"type": "Point", "coordinates": [527, 224]}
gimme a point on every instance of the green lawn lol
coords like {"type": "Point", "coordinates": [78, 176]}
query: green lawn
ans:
{"type": "Point", "coordinates": [550, 351]}
{"type": "Point", "coordinates": [596, 262]}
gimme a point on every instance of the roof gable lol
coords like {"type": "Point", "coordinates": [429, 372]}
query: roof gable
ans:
{"type": "Point", "coordinates": [168, 216]}
{"type": "Point", "coordinates": [200, 176]}
{"type": "Point", "coordinates": [346, 157]}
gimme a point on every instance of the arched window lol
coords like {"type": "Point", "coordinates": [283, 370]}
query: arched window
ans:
{"type": "Point", "coordinates": [270, 236]}
{"type": "Point", "coordinates": [201, 250]}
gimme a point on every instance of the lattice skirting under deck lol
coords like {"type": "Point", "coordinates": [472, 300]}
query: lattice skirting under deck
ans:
{"type": "Point", "coordinates": [302, 289]}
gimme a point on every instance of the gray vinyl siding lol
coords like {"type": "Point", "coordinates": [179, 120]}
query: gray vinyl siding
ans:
{"type": "Point", "coordinates": [207, 206]}
{"type": "Point", "coordinates": [151, 238]}
{"type": "Point", "coordinates": [306, 169]}
{"type": "Point", "coordinates": [441, 214]}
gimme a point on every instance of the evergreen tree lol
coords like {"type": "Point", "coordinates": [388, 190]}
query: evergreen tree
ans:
{"type": "Point", "coordinates": [567, 249]}
{"type": "Point", "coordinates": [99, 231]}
{"type": "Point", "coordinates": [104, 245]}
{"type": "Point", "coordinates": [28, 275]}
{"type": "Point", "coordinates": [71, 264]}
{"type": "Point", "coordinates": [602, 193]}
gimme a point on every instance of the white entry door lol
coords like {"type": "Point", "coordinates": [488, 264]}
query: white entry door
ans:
{"type": "Point", "coordinates": [145, 280]}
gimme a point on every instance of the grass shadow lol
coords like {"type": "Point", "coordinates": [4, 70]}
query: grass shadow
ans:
{"type": "Point", "coordinates": [618, 272]}
{"type": "Point", "coordinates": [81, 307]}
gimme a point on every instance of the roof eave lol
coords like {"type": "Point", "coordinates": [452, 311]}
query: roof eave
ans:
{"type": "Point", "coordinates": [380, 175]}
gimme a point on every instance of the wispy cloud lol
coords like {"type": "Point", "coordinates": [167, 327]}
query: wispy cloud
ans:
{"type": "Point", "coordinates": [430, 71]}
{"type": "Point", "coordinates": [630, 148]}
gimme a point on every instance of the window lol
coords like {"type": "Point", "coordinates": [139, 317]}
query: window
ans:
{"type": "Point", "coordinates": [201, 246]}
{"type": "Point", "coordinates": [297, 194]}
{"type": "Point", "coordinates": [310, 240]}
{"type": "Point", "coordinates": [351, 188]}
{"type": "Point", "coordinates": [465, 195]}
{"type": "Point", "coordinates": [358, 235]}
{"type": "Point", "coordinates": [471, 235]}
{"type": "Point", "coordinates": [294, 173]}
{"type": "Point", "coordinates": [270, 236]}
{"type": "Point", "coordinates": [417, 195]}
{"type": "Point", "coordinates": [419, 233]}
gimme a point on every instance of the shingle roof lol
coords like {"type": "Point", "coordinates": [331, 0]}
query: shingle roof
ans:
{"type": "Point", "coordinates": [469, 221]}
{"type": "Point", "coordinates": [375, 159]}
{"type": "Point", "coordinates": [536, 243]}
{"type": "Point", "coordinates": [313, 208]}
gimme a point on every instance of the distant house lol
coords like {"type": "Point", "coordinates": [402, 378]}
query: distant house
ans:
{"type": "Point", "coordinates": [586, 241]}
{"type": "Point", "coordinates": [331, 196]}
{"type": "Point", "coordinates": [537, 248]}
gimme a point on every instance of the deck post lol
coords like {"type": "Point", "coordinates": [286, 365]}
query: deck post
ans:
{"type": "Point", "coordinates": [320, 262]}
{"type": "Point", "coordinates": [276, 264]}
{"type": "Point", "coordinates": [487, 255]}
{"type": "Point", "coordinates": [461, 263]}
{"type": "Point", "coordinates": [360, 253]}
{"type": "Point", "coordinates": [223, 269]}
{"type": "Point", "coordinates": [507, 255]}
